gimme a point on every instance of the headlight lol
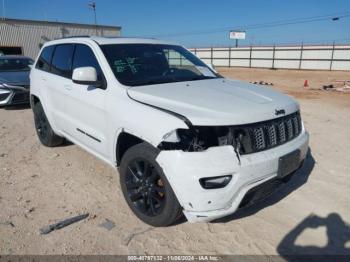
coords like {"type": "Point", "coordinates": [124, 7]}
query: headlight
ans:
{"type": "Point", "coordinates": [179, 139]}
{"type": "Point", "coordinates": [199, 138]}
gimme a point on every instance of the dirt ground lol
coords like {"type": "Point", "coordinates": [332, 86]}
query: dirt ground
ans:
{"type": "Point", "coordinates": [310, 214]}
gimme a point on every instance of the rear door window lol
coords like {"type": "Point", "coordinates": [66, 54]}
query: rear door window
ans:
{"type": "Point", "coordinates": [44, 60]}
{"type": "Point", "coordinates": [62, 60]}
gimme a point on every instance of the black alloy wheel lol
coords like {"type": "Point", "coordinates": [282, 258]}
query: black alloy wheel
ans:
{"type": "Point", "coordinates": [43, 128]}
{"type": "Point", "coordinates": [145, 187]}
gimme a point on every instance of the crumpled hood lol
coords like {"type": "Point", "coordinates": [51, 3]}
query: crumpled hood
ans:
{"type": "Point", "coordinates": [216, 101]}
{"type": "Point", "coordinates": [16, 78]}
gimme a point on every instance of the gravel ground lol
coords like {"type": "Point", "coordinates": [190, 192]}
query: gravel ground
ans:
{"type": "Point", "coordinates": [310, 214]}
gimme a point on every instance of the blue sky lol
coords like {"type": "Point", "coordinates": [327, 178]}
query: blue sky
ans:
{"type": "Point", "coordinates": [163, 17]}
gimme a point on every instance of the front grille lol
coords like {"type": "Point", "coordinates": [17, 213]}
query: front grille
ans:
{"type": "Point", "coordinates": [246, 139]}
{"type": "Point", "coordinates": [268, 134]}
{"type": "Point", "coordinates": [4, 96]}
{"type": "Point", "coordinates": [20, 97]}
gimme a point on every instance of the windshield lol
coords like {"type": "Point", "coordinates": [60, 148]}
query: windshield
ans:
{"type": "Point", "coordinates": [15, 64]}
{"type": "Point", "coordinates": [147, 64]}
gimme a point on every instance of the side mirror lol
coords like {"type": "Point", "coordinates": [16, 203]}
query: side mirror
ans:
{"type": "Point", "coordinates": [85, 76]}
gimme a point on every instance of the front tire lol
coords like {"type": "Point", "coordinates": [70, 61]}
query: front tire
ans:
{"type": "Point", "coordinates": [146, 189]}
{"type": "Point", "coordinates": [43, 128]}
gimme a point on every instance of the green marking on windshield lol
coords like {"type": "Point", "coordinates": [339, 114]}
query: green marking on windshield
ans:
{"type": "Point", "coordinates": [121, 65]}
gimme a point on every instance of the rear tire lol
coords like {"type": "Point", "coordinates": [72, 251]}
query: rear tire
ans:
{"type": "Point", "coordinates": [146, 189]}
{"type": "Point", "coordinates": [43, 128]}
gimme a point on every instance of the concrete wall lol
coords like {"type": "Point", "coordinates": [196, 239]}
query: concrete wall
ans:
{"type": "Point", "coordinates": [30, 35]}
{"type": "Point", "coordinates": [282, 57]}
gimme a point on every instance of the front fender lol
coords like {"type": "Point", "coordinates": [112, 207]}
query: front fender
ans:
{"type": "Point", "coordinates": [147, 123]}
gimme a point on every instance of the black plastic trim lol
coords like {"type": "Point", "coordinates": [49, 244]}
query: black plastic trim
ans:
{"type": "Point", "coordinates": [88, 135]}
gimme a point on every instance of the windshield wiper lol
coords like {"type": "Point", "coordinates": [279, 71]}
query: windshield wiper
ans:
{"type": "Point", "coordinates": [202, 78]}
{"type": "Point", "coordinates": [166, 80]}
{"type": "Point", "coordinates": [150, 81]}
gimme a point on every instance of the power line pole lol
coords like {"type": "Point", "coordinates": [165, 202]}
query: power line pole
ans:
{"type": "Point", "coordinates": [93, 6]}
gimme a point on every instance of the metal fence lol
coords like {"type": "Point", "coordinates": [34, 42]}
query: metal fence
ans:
{"type": "Point", "coordinates": [327, 57]}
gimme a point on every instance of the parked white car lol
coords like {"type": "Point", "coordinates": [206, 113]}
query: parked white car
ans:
{"type": "Point", "coordinates": [185, 139]}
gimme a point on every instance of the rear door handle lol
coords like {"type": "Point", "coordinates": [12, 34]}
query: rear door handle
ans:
{"type": "Point", "coordinates": [68, 87]}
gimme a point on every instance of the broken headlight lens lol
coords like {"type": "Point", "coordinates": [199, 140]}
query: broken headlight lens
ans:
{"type": "Point", "coordinates": [180, 139]}
{"type": "Point", "coordinates": [171, 137]}
{"type": "Point", "coordinates": [199, 138]}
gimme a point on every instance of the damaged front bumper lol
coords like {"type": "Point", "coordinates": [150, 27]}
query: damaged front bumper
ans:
{"type": "Point", "coordinates": [184, 170]}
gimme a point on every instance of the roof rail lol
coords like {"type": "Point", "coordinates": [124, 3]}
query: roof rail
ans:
{"type": "Point", "coordinates": [73, 36]}
{"type": "Point", "coordinates": [132, 37]}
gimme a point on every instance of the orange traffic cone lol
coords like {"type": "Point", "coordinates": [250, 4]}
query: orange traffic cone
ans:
{"type": "Point", "coordinates": [306, 84]}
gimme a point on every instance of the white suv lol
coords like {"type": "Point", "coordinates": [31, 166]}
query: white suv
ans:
{"type": "Point", "coordinates": [185, 139]}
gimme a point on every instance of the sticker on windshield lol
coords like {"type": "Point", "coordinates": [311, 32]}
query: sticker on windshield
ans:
{"type": "Point", "coordinates": [129, 64]}
{"type": "Point", "coordinates": [205, 71]}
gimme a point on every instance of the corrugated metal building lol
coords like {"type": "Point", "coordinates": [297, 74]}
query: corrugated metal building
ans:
{"type": "Point", "coordinates": [27, 36]}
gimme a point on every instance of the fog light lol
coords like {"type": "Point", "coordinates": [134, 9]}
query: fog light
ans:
{"type": "Point", "coordinates": [215, 182]}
